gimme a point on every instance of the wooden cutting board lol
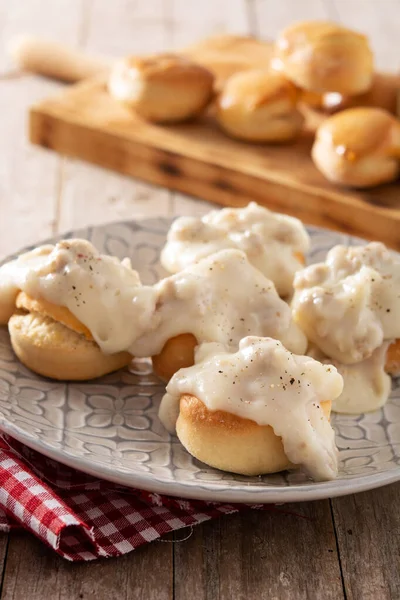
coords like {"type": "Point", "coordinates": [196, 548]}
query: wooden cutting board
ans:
{"type": "Point", "coordinates": [198, 159]}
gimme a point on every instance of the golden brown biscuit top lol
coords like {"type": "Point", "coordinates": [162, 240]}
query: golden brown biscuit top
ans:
{"type": "Point", "coordinates": [258, 88]}
{"type": "Point", "coordinates": [357, 132]}
{"type": "Point", "coordinates": [167, 67]}
{"type": "Point", "coordinates": [320, 33]}
{"type": "Point", "coordinates": [324, 57]}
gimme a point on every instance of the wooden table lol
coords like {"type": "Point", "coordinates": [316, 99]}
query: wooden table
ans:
{"type": "Point", "coordinates": [343, 548]}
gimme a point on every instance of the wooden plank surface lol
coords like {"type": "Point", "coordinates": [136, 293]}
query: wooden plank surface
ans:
{"type": "Point", "coordinates": [252, 556]}
{"type": "Point", "coordinates": [33, 572]}
{"type": "Point", "coordinates": [29, 180]}
{"type": "Point", "coordinates": [368, 533]}
{"type": "Point", "coordinates": [263, 556]}
{"type": "Point", "coordinates": [90, 194]}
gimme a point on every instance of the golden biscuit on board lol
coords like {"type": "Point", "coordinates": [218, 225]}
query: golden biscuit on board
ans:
{"type": "Point", "coordinates": [358, 147]}
{"type": "Point", "coordinates": [259, 106]}
{"type": "Point", "coordinates": [164, 88]}
{"type": "Point", "coordinates": [324, 57]}
{"type": "Point", "coordinates": [383, 93]}
{"type": "Point", "coordinates": [228, 442]}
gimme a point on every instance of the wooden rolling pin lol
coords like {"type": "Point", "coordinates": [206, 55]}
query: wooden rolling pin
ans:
{"type": "Point", "coordinates": [64, 63]}
{"type": "Point", "coordinates": [57, 61]}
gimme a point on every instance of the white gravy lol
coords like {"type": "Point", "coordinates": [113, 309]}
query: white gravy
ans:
{"type": "Point", "coordinates": [366, 385]}
{"type": "Point", "coordinates": [102, 292]}
{"type": "Point", "coordinates": [267, 384]}
{"type": "Point", "coordinates": [270, 241]}
{"type": "Point", "coordinates": [222, 298]}
{"type": "Point", "coordinates": [349, 305]}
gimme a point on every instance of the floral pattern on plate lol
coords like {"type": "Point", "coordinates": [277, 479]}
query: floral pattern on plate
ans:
{"type": "Point", "coordinates": [109, 427]}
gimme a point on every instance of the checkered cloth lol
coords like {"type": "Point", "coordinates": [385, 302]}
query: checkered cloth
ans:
{"type": "Point", "coordinates": [83, 518]}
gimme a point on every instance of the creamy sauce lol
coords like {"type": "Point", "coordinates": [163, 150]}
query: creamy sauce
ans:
{"type": "Point", "coordinates": [13, 276]}
{"type": "Point", "coordinates": [349, 305]}
{"type": "Point", "coordinates": [267, 384]}
{"type": "Point", "coordinates": [270, 241]}
{"type": "Point", "coordinates": [366, 385]}
{"type": "Point", "coordinates": [102, 292]}
{"type": "Point", "coordinates": [222, 298]}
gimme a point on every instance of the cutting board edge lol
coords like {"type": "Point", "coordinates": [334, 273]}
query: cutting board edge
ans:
{"type": "Point", "coordinates": [202, 179]}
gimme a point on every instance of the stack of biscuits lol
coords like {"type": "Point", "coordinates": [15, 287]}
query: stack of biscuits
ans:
{"type": "Point", "coordinates": [315, 64]}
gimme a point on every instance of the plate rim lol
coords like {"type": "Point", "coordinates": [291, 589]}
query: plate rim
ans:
{"type": "Point", "coordinates": [243, 493]}
{"type": "Point", "coordinates": [197, 491]}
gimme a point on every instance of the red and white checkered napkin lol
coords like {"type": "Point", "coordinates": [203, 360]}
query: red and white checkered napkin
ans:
{"type": "Point", "coordinates": [83, 518]}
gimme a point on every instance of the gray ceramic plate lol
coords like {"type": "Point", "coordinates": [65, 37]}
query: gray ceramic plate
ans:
{"type": "Point", "coordinates": [109, 428]}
